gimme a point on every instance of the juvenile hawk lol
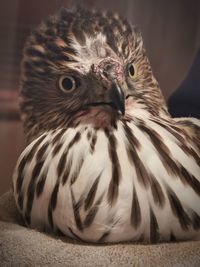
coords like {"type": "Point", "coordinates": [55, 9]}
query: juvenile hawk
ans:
{"type": "Point", "coordinates": [105, 162]}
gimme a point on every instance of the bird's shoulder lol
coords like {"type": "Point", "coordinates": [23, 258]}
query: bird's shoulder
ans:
{"type": "Point", "coordinates": [191, 126]}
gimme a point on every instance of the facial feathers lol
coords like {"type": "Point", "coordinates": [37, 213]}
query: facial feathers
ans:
{"type": "Point", "coordinates": [82, 45]}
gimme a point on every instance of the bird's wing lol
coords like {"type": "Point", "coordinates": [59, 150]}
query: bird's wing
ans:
{"type": "Point", "coordinates": [192, 127]}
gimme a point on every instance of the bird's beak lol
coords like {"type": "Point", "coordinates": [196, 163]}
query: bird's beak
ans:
{"type": "Point", "coordinates": [117, 98]}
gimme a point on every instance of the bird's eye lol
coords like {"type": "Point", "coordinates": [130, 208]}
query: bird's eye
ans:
{"type": "Point", "coordinates": [67, 83]}
{"type": "Point", "coordinates": [132, 71]}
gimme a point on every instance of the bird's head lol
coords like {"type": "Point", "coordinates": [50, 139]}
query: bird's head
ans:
{"type": "Point", "coordinates": [84, 66]}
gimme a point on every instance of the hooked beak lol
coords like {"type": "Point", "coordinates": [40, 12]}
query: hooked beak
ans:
{"type": "Point", "coordinates": [117, 98]}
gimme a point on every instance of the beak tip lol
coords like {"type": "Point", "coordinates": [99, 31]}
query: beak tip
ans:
{"type": "Point", "coordinates": [121, 112]}
{"type": "Point", "coordinates": [117, 97]}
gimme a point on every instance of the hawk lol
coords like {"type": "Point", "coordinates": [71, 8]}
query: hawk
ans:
{"type": "Point", "coordinates": [105, 160]}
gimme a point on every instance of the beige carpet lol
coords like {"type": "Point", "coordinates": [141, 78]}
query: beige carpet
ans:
{"type": "Point", "coordinates": [20, 246]}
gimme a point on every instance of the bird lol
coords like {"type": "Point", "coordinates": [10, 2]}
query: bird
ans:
{"type": "Point", "coordinates": [104, 162]}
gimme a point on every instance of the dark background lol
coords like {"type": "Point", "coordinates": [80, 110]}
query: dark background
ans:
{"type": "Point", "coordinates": [171, 32]}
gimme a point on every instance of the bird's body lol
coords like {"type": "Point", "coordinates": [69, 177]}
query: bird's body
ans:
{"type": "Point", "coordinates": [112, 184]}
{"type": "Point", "coordinates": [107, 162]}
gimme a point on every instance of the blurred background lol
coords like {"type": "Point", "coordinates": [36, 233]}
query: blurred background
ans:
{"type": "Point", "coordinates": [171, 32]}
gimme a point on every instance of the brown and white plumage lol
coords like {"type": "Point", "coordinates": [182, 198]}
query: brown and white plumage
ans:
{"type": "Point", "coordinates": [105, 162]}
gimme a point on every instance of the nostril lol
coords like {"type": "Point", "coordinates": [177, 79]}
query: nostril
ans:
{"type": "Point", "coordinates": [105, 73]}
{"type": "Point", "coordinates": [108, 68]}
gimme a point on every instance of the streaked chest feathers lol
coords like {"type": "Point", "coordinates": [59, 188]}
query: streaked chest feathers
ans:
{"type": "Point", "coordinates": [139, 180]}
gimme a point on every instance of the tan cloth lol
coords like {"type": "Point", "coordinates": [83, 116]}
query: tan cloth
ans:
{"type": "Point", "coordinates": [20, 246]}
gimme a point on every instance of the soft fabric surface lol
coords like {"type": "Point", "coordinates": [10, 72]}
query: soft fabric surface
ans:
{"type": "Point", "coordinates": [20, 246]}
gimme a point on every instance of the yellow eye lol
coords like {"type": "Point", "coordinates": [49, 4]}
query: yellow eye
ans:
{"type": "Point", "coordinates": [132, 71]}
{"type": "Point", "coordinates": [67, 83]}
